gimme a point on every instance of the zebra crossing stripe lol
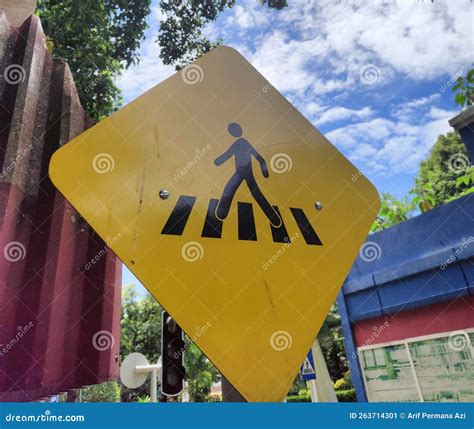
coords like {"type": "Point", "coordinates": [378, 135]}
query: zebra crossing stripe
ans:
{"type": "Point", "coordinates": [309, 234]}
{"type": "Point", "coordinates": [212, 228]}
{"type": "Point", "coordinates": [247, 229]}
{"type": "Point", "coordinates": [179, 216]}
{"type": "Point", "coordinates": [212, 225]}
{"type": "Point", "coordinates": [280, 234]}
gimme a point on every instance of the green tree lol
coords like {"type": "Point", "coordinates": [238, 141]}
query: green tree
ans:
{"type": "Point", "coordinates": [140, 332]}
{"type": "Point", "coordinates": [331, 341]}
{"type": "Point", "coordinates": [200, 373]}
{"type": "Point", "coordinates": [392, 211]}
{"type": "Point", "coordinates": [464, 89]}
{"type": "Point", "coordinates": [98, 39]}
{"type": "Point", "coordinates": [104, 392]}
{"type": "Point", "coordinates": [181, 36]}
{"type": "Point", "coordinates": [466, 182]}
{"type": "Point", "coordinates": [298, 385]}
{"type": "Point", "coordinates": [423, 197]}
{"type": "Point", "coordinates": [446, 163]}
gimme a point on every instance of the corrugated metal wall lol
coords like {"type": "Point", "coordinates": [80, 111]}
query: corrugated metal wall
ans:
{"type": "Point", "coordinates": [59, 315]}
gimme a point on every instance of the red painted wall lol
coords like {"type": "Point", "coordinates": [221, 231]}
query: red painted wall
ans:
{"type": "Point", "coordinates": [445, 316]}
{"type": "Point", "coordinates": [59, 319]}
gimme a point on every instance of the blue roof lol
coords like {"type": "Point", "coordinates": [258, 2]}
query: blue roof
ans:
{"type": "Point", "coordinates": [427, 259]}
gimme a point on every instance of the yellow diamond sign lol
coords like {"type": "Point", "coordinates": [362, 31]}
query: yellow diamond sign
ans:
{"type": "Point", "coordinates": [237, 215]}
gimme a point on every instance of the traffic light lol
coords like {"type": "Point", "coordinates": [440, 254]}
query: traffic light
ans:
{"type": "Point", "coordinates": [172, 351]}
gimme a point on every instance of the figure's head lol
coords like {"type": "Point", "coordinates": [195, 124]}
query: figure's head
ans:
{"type": "Point", "coordinates": [234, 129]}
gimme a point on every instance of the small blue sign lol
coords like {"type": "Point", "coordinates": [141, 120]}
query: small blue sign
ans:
{"type": "Point", "coordinates": [308, 371]}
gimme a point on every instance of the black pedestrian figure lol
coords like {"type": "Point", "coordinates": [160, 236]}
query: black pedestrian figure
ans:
{"type": "Point", "coordinates": [243, 151]}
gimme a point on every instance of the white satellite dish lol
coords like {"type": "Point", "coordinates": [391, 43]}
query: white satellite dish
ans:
{"type": "Point", "coordinates": [128, 374]}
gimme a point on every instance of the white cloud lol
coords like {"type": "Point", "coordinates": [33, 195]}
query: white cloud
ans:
{"type": "Point", "coordinates": [342, 113]}
{"type": "Point", "coordinates": [145, 75]}
{"type": "Point", "coordinates": [436, 113]}
{"type": "Point", "coordinates": [392, 146]}
{"type": "Point", "coordinates": [317, 48]}
{"type": "Point", "coordinates": [150, 70]}
{"type": "Point", "coordinates": [285, 61]}
{"type": "Point", "coordinates": [371, 131]}
{"type": "Point", "coordinates": [312, 108]}
{"type": "Point", "coordinates": [157, 14]}
{"type": "Point", "coordinates": [321, 46]}
{"type": "Point", "coordinates": [414, 38]}
{"type": "Point", "coordinates": [404, 111]}
{"type": "Point", "coordinates": [314, 52]}
{"type": "Point", "coordinates": [248, 17]}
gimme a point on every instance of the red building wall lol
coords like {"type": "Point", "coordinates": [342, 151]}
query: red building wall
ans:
{"type": "Point", "coordinates": [446, 316]}
{"type": "Point", "coordinates": [59, 316]}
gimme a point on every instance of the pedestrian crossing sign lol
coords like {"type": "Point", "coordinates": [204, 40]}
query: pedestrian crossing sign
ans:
{"type": "Point", "coordinates": [308, 371]}
{"type": "Point", "coordinates": [236, 214]}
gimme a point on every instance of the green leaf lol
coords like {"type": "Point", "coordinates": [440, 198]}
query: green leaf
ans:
{"type": "Point", "coordinates": [460, 99]}
{"type": "Point", "coordinates": [470, 76]}
{"type": "Point", "coordinates": [430, 200]}
{"type": "Point", "coordinates": [457, 86]}
{"type": "Point", "coordinates": [463, 180]}
{"type": "Point", "coordinates": [95, 38]}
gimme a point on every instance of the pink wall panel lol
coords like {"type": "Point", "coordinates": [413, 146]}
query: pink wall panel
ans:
{"type": "Point", "coordinates": [59, 319]}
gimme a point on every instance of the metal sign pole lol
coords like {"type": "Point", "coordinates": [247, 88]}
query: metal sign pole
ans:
{"type": "Point", "coordinates": [313, 390]}
{"type": "Point", "coordinates": [153, 369]}
{"type": "Point", "coordinates": [153, 385]}
{"type": "Point", "coordinates": [229, 393]}
{"type": "Point", "coordinates": [323, 384]}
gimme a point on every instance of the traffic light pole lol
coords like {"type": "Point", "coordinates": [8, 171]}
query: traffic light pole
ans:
{"type": "Point", "coordinates": [172, 350]}
{"type": "Point", "coordinates": [172, 370]}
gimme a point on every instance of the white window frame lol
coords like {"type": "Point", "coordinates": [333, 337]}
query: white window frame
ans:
{"type": "Point", "coordinates": [406, 343]}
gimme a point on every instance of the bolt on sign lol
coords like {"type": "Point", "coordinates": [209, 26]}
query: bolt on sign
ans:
{"type": "Point", "coordinates": [234, 212]}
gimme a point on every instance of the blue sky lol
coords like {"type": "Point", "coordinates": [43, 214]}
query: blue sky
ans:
{"type": "Point", "coordinates": [373, 77]}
